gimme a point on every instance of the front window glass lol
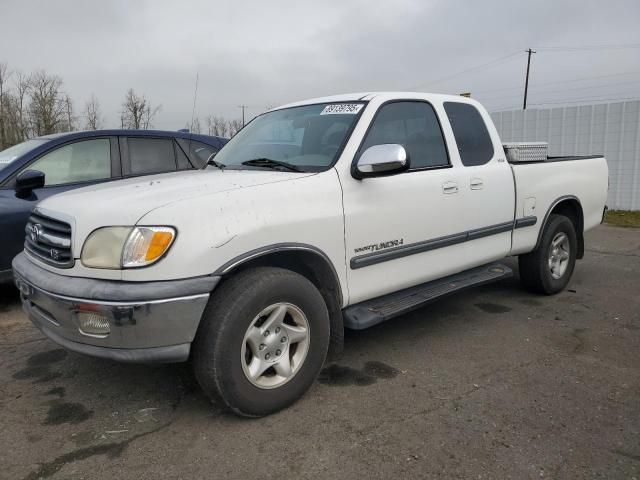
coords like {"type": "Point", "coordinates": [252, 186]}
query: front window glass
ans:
{"type": "Point", "coordinates": [414, 125]}
{"type": "Point", "coordinates": [8, 155]}
{"type": "Point", "coordinates": [76, 162]}
{"type": "Point", "coordinates": [307, 138]}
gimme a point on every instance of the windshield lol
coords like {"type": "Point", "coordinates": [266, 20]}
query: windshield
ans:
{"type": "Point", "coordinates": [10, 154]}
{"type": "Point", "coordinates": [307, 138]}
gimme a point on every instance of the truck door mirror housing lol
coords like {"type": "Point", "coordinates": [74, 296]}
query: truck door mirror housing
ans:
{"type": "Point", "coordinates": [27, 181]}
{"type": "Point", "coordinates": [380, 160]}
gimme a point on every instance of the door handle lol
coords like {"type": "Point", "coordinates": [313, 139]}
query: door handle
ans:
{"type": "Point", "coordinates": [476, 184]}
{"type": "Point", "coordinates": [449, 187]}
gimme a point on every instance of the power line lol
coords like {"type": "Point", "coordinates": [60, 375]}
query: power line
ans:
{"type": "Point", "coordinates": [549, 49]}
{"type": "Point", "coordinates": [580, 100]}
{"type": "Point", "coordinates": [557, 82]}
{"type": "Point", "coordinates": [471, 69]}
{"type": "Point", "coordinates": [590, 47]}
{"type": "Point", "coordinates": [537, 91]}
{"type": "Point", "coordinates": [590, 99]}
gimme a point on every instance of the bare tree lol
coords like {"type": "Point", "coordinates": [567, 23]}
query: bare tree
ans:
{"type": "Point", "coordinates": [149, 115]}
{"type": "Point", "coordinates": [4, 76]}
{"type": "Point", "coordinates": [234, 127]}
{"type": "Point", "coordinates": [47, 109]}
{"type": "Point", "coordinates": [70, 118]}
{"type": "Point", "coordinates": [220, 126]}
{"type": "Point", "coordinates": [92, 114]}
{"type": "Point", "coordinates": [217, 126]}
{"type": "Point", "coordinates": [21, 115]}
{"type": "Point", "coordinates": [137, 112]}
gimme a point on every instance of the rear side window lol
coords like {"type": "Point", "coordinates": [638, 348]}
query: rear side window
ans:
{"type": "Point", "coordinates": [470, 132]}
{"type": "Point", "coordinates": [151, 155]}
{"type": "Point", "coordinates": [414, 125]}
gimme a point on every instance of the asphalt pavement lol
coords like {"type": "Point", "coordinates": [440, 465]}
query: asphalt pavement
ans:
{"type": "Point", "coordinates": [491, 383]}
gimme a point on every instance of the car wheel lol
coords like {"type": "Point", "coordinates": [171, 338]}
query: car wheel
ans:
{"type": "Point", "coordinates": [548, 268]}
{"type": "Point", "coordinates": [262, 341]}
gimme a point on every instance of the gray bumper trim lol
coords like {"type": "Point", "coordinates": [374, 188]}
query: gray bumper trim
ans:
{"type": "Point", "coordinates": [110, 290]}
{"type": "Point", "coordinates": [169, 354]}
{"type": "Point", "coordinates": [147, 321]}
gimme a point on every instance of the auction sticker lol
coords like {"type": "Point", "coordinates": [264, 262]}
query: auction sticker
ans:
{"type": "Point", "coordinates": [342, 108]}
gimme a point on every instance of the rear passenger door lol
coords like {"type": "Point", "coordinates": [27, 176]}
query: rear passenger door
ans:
{"type": "Point", "coordinates": [151, 155]}
{"type": "Point", "coordinates": [487, 182]}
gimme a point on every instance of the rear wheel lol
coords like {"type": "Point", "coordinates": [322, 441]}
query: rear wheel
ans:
{"type": "Point", "coordinates": [262, 341]}
{"type": "Point", "coordinates": [548, 269]}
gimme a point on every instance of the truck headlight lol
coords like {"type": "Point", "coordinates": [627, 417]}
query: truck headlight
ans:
{"type": "Point", "coordinates": [126, 247]}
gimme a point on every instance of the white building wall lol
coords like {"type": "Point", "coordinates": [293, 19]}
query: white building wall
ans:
{"type": "Point", "coordinates": [612, 129]}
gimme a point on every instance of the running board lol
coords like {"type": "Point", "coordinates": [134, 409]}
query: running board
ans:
{"type": "Point", "coordinates": [371, 312]}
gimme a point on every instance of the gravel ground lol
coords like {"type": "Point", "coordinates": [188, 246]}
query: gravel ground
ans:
{"type": "Point", "coordinates": [491, 383]}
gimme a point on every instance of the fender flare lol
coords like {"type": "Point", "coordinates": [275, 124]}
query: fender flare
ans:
{"type": "Point", "coordinates": [553, 205]}
{"type": "Point", "coordinates": [280, 247]}
{"type": "Point", "coordinates": [335, 314]}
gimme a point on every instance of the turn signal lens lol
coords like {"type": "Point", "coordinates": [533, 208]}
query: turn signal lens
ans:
{"type": "Point", "coordinates": [159, 244]}
{"type": "Point", "coordinates": [146, 245]}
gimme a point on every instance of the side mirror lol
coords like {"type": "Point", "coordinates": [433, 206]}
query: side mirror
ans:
{"type": "Point", "coordinates": [380, 160]}
{"type": "Point", "coordinates": [27, 181]}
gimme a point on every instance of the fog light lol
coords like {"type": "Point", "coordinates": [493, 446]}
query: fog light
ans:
{"type": "Point", "coordinates": [93, 324]}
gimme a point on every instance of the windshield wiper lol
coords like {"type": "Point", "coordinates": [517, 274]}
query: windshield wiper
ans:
{"type": "Point", "coordinates": [270, 163]}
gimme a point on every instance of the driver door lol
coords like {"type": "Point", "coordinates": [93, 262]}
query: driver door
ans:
{"type": "Point", "coordinates": [399, 227]}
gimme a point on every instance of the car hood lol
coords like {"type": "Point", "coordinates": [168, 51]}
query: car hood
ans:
{"type": "Point", "coordinates": [124, 202]}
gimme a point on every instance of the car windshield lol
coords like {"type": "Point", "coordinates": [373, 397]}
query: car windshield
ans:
{"type": "Point", "coordinates": [10, 154]}
{"type": "Point", "coordinates": [306, 138]}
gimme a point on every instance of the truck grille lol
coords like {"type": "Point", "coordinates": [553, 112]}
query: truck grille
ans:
{"type": "Point", "coordinates": [49, 240]}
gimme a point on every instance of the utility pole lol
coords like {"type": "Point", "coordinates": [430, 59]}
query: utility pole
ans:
{"type": "Point", "coordinates": [242, 107]}
{"type": "Point", "coordinates": [526, 82]}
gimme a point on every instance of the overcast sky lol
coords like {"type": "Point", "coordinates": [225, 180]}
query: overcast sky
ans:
{"type": "Point", "coordinates": [265, 53]}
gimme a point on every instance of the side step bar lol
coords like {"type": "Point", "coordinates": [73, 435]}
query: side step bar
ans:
{"type": "Point", "coordinates": [371, 312]}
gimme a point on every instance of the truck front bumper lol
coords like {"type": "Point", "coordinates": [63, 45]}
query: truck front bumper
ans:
{"type": "Point", "coordinates": [138, 321]}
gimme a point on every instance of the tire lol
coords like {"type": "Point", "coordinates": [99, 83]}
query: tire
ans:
{"type": "Point", "coordinates": [536, 273]}
{"type": "Point", "coordinates": [223, 353]}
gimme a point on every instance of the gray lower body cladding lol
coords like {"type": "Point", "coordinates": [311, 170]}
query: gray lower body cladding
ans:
{"type": "Point", "coordinates": [148, 321]}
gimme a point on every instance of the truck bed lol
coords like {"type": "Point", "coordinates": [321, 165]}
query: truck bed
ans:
{"type": "Point", "coordinates": [540, 185]}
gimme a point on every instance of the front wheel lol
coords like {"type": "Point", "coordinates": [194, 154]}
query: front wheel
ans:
{"type": "Point", "coordinates": [548, 269]}
{"type": "Point", "coordinates": [262, 341]}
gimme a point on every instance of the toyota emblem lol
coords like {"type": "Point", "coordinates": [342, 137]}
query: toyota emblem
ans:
{"type": "Point", "coordinates": [35, 231]}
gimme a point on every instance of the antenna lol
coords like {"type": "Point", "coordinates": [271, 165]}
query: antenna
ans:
{"type": "Point", "coordinates": [195, 94]}
{"type": "Point", "coordinates": [193, 114]}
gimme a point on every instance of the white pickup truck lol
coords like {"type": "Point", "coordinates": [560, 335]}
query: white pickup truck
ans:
{"type": "Point", "coordinates": [331, 213]}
